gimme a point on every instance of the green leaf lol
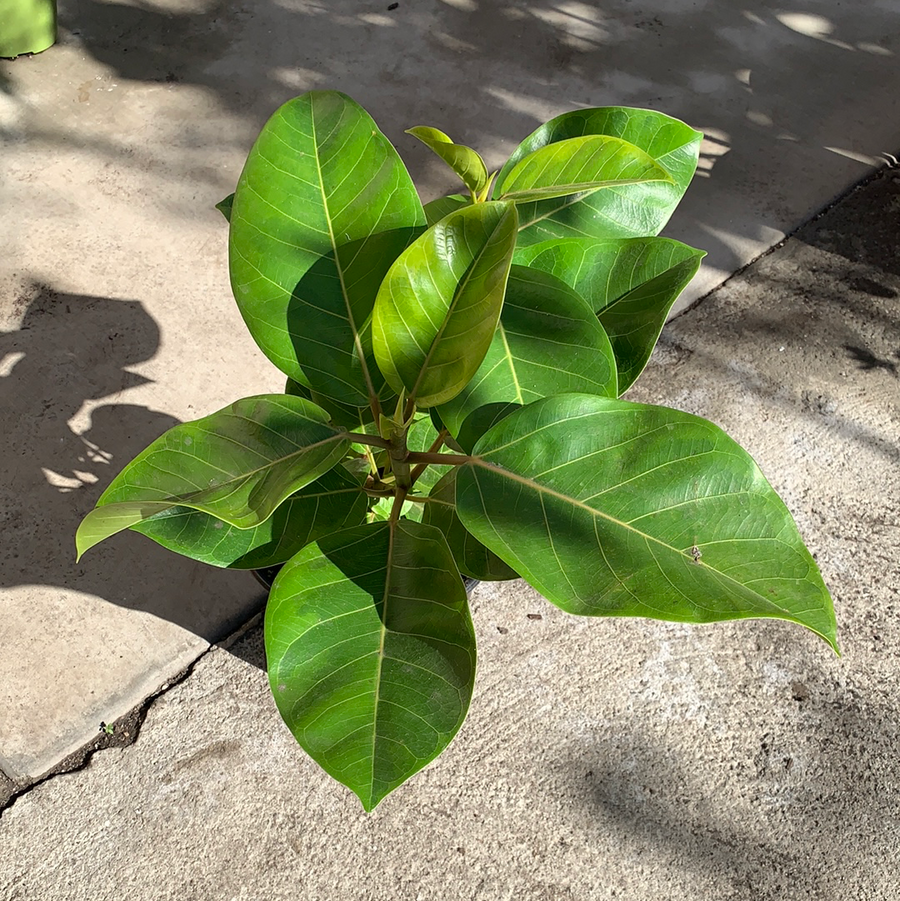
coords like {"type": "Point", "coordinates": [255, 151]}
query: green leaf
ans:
{"type": "Point", "coordinates": [435, 210]}
{"type": "Point", "coordinates": [480, 421]}
{"type": "Point", "coordinates": [621, 212]}
{"type": "Point", "coordinates": [421, 436]}
{"type": "Point", "coordinates": [548, 342]}
{"type": "Point", "coordinates": [631, 283]}
{"type": "Point", "coordinates": [333, 502]}
{"type": "Point", "coordinates": [610, 508]}
{"type": "Point", "coordinates": [438, 307]}
{"type": "Point", "coordinates": [237, 465]}
{"type": "Point", "coordinates": [371, 653]}
{"type": "Point", "coordinates": [323, 207]}
{"type": "Point", "coordinates": [576, 166]}
{"type": "Point", "coordinates": [472, 558]}
{"type": "Point", "coordinates": [464, 161]}
{"type": "Point", "coordinates": [224, 206]}
{"type": "Point", "coordinates": [344, 415]}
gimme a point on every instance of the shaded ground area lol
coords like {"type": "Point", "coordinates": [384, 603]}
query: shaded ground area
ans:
{"type": "Point", "coordinates": [602, 758]}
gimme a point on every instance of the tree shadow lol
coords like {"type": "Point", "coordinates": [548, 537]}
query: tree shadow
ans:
{"type": "Point", "coordinates": [490, 72]}
{"type": "Point", "coordinates": [69, 354]}
{"type": "Point", "coordinates": [761, 813]}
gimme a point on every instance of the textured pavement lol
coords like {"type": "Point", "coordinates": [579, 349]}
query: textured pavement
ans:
{"type": "Point", "coordinates": [601, 759]}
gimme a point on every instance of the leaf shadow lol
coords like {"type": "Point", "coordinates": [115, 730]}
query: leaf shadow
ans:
{"type": "Point", "coordinates": [70, 355]}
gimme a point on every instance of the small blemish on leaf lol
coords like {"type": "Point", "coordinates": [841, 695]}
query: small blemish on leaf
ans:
{"type": "Point", "coordinates": [188, 440]}
{"type": "Point", "coordinates": [282, 686]}
{"type": "Point", "coordinates": [218, 525]}
{"type": "Point", "coordinates": [696, 554]}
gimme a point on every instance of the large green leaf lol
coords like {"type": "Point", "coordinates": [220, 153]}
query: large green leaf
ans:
{"type": "Point", "coordinates": [237, 465]}
{"type": "Point", "coordinates": [616, 509]}
{"type": "Point", "coordinates": [548, 342]}
{"type": "Point", "coordinates": [464, 161]}
{"type": "Point", "coordinates": [620, 212]}
{"type": "Point", "coordinates": [472, 558]}
{"type": "Point", "coordinates": [323, 207]}
{"type": "Point", "coordinates": [333, 502]}
{"type": "Point", "coordinates": [631, 283]}
{"type": "Point", "coordinates": [435, 210]}
{"type": "Point", "coordinates": [438, 307]}
{"type": "Point", "coordinates": [576, 166]}
{"type": "Point", "coordinates": [371, 653]}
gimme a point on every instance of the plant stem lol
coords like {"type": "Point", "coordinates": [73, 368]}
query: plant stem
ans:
{"type": "Point", "coordinates": [450, 459]}
{"type": "Point", "coordinates": [373, 440]}
{"type": "Point", "coordinates": [399, 498]}
{"type": "Point", "coordinates": [436, 446]}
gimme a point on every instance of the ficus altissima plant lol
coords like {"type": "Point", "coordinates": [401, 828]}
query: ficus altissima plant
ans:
{"type": "Point", "coordinates": [452, 407]}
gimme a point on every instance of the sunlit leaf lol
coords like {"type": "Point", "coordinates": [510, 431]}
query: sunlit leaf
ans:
{"type": "Point", "coordinates": [323, 207]}
{"type": "Point", "coordinates": [576, 166]}
{"type": "Point", "coordinates": [371, 653]}
{"type": "Point", "coordinates": [438, 306]}
{"type": "Point", "coordinates": [631, 283]}
{"type": "Point", "coordinates": [334, 501]}
{"type": "Point", "coordinates": [548, 342]}
{"type": "Point", "coordinates": [621, 212]}
{"type": "Point", "coordinates": [610, 508]}
{"type": "Point", "coordinates": [464, 161]}
{"type": "Point", "coordinates": [238, 465]}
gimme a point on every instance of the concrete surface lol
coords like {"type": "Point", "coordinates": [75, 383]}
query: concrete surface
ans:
{"type": "Point", "coordinates": [115, 309]}
{"type": "Point", "coordinates": [116, 321]}
{"type": "Point", "coordinates": [601, 759]}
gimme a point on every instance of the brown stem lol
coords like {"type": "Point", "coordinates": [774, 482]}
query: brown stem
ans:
{"type": "Point", "coordinates": [450, 459]}
{"type": "Point", "coordinates": [373, 440]}
{"type": "Point", "coordinates": [436, 445]}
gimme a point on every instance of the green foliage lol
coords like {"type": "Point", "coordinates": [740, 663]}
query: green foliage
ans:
{"type": "Point", "coordinates": [452, 407]}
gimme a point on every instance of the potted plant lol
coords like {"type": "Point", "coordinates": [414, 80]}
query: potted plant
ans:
{"type": "Point", "coordinates": [28, 26]}
{"type": "Point", "coordinates": [453, 407]}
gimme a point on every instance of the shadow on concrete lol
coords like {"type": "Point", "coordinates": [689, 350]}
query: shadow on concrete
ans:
{"type": "Point", "coordinates": [489, 71]}
{"type": "Point", "coordinates": [814, 780]}
{"type": "Point", "coordinates": [69, 353]}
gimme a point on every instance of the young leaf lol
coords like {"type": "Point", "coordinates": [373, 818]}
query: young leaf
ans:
{"type": "Point", "coordinates": [238, 465]}
{"type": "Point", "coordinates": [548, 342]}
{"type": "Point", "coordinates": [333, 502]}
{"type": "Point", "coordinates": [472, 558]}
{"type": "Point", "coordinates": [616, 509]}
{"type": "Point", "coordinates": [435, 210]}
{"type": "Point", "coordinates": [438, 307]}
{"type": "Point", "coordinates": [576, 166]}
{"type": "Point", "coordinates": [464, 161]}
{"type": "Point", "coordinates": [371, 653]}
{"type": "Point", "coordinates": [323, 207]}
{"type": "Point", "coordinates": [621, 212]}
{"type": "Point", "coordinates": [631, 283]}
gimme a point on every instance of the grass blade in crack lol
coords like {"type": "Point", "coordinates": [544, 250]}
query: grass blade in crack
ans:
{"type": "Point", "coordinates": [371, 653]}
{"type": "Point", "coordinates": [323, 207]}
{"type": "Point", "coordinates": [438, 307]}
{"type": "Point", "coordinates": [237, 465]}
{"type": "Point", "coordinates": [610, 508]}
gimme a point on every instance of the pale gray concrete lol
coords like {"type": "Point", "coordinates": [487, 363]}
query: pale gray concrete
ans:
{"type": "Point", "coordinates": [116, 313]}
{"type": "Point", "coordinates": [601, 759]}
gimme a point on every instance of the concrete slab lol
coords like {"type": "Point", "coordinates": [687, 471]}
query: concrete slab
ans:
{"type": "Point", "coordinates": [601, 759]}
{"type": "Point", "coordinates": [116, 313]}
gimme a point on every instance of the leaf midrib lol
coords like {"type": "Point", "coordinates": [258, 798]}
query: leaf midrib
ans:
{"type": "Point", "coordinates": [357, 344]}
{"type": "Point", "coordinates": [544, 490]}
